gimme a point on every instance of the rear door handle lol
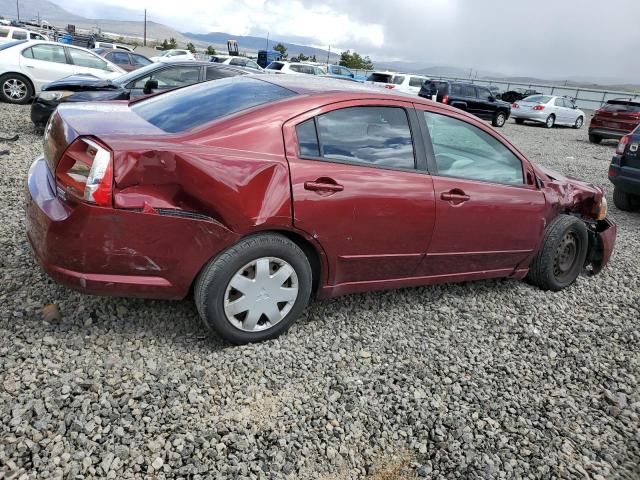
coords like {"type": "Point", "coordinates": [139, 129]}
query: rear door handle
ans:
{"type": "Point", "coordinates": [455, 196]}
{"type": "Point", "coordinates": [323, 186]}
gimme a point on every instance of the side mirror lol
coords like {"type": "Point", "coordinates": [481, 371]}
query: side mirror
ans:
{"type": "Point", "coordinates": [150, 86]}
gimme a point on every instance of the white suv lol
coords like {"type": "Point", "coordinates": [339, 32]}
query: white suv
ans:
{"type": "Point", "coordinates": [407, 83]}
{"type": "Point", "coordinates": [9, 34]}
{"type": "Point", "coordinates": [294, 68]}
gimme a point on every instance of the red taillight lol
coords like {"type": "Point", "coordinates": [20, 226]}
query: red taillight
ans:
{"type": "Point", "coordinates": [613, 171]}
{"type": "Point", "coordinates": [389, 86]}
{"type": "Point", "coordinates": [445, 99]}
{"type": "Point", "coordinates": [515, 105]}
{"type": "Point", "coordinates": [538, 107]}
{"type": "Point", "coordinates": [85, 172]}
{"type": "Point", "coordinates": [622, 144]}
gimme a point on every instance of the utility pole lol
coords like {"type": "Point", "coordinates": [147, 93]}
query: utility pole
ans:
{"type": "Point", "coordinates": [328, 54]}
{"type": "Point", "coordinates": [145, 28]}
{"type": "Point", "coordinates": [267, 41]}
{"type": "Point", "coordinates": [18, 8]}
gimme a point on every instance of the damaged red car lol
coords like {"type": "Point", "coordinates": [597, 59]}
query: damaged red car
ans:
{"type": "Point", "coordinates": [257, 194]}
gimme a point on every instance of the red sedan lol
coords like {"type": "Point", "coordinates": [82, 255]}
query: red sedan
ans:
{"type": "Point", "coordinates": [263, 192]}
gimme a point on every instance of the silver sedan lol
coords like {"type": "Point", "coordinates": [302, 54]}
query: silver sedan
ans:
{"type": "Point", "coordinates": [549, 110]}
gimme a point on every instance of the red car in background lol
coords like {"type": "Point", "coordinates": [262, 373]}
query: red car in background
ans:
{"type": "Point", "coordinates": [614, 120]}
{"type": "Point", "coordinates": [128, 61]}
{"type": "Point", "coordinates": [261, 192]}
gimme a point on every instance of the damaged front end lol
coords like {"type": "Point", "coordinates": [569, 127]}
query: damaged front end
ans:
{"type": "Point", "coordinates": [587, 202]}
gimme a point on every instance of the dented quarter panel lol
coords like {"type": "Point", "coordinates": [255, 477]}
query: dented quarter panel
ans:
{"type": "Point", "coordinates": [565, 194]}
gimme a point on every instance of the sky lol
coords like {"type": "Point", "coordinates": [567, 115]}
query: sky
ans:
{"type": "Point", "coordinates": [552, 39]}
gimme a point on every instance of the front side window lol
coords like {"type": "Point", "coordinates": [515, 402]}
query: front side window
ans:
{"type": "Point", "coordinates": [46, 53]}
{"type": "Point", "coordinates": [171, 77]}
{"type": "Point", "coordinates": [375, 136]}
{"type": "Point", "coordinates": [238, 62]}
{"type": "Point", "coordinates": [484, 93]}
{"type": "Point", "coordinates": [296, 68]}
{"type": "Point", "coordinates": [468, 91]}
{"type": "Point", "coordinates": [200, 104]}
{"type": "Point", "coordinates": [87, 60]}
{"type": "Point", "coordinates": [464, 151]}
{"type": "Point", "coordinates": [119, 58]}
{"type": "Point", "coordinates": [139, 60]}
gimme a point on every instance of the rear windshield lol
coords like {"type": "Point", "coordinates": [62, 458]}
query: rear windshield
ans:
{"type": "Point", "coordinates": [621, 106]}
{"type": "Point", "coordinates": [199, 104]}
{"type": "Point", "coordinates": [380, 77]}
{"type": "Point", "coordinates": [537, 99]}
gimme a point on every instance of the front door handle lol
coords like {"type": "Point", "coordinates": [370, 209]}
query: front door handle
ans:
{"type": "Point", "coordinates": [323, 185]}
{"type": "Point", "coordinates": [455, 196]}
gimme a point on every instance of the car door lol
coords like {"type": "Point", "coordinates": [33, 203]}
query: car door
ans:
{"type": "Point", "coordinates": [486, 106]}
{"type": "Point", "coordinates": [571, 112]}
{"type": "Point", "coordinates": [360, 188]}
{"type": "Point", "coordinates": [45, 63]}
{"type": "Point", "coordinates": [469, 96]}
{"type": "Point", "coordinates": [169, 77]}
{"type": "Point", "coordinates": [489, 211]}
{"type": "Point", "coordinates": [558, 110]}
{"type": "Point", "coordinates": [87, 62]}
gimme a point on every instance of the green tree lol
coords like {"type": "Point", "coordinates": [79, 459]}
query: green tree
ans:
{"type": "Point", "coordinates": [282, 49]}
{"type": "Point", "coordinates": [191, 47]}
{"type": "Point", "coordinates": [172, 43]}
{"type": "Point", "coordinates": [211, 50]}
{"type": "Point", "coordinates": [355, 60]}
{"type": "Point", "coordinates": [313, 58]}
{"type": "Point", "coordinates": [165, 45]}
{"type": "Point", "coordinates": [302, 57]}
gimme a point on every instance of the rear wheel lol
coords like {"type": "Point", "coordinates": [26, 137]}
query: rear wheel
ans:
{"type": "Point", "coordinates": [499, 119]}
{"type": "Point", "coordinates": [579, 123]}
{"type": "Point", "coordinates": [562, 254]}
{"type": "Point", "coordinates": [550, 122]}
{"type": "Point", "coordinates": [595, 138]}
{"type": "Point", "coordinates": [519, 121]}
{"type": "Point", "coordinates": [255, 290]}
{"type": "Point", "coordinates": [625, 201]}
{"type": "Point", "coordinates": [15, 88]}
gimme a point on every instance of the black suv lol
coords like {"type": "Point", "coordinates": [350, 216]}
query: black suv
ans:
{"type": "Point", "coordinates": [624, 172]}
{"type": "Point", "coordinates": [474, 99]}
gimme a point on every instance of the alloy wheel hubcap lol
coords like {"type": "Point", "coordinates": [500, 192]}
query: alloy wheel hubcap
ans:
{"type": "Point", "coordinates": [500, 120]}
{"type": "Point", "coordinates": [550, 121]}
{"type": "Point", "coordinates": [261, 294]}
{"type": "Point", "coordinates": [15, 89]}
{"type": "Point", "coordinates": [579, 123]}
{"type": "Point", "coordinates": [566, 256]}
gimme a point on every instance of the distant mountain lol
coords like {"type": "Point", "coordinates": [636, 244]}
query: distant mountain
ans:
{"type": "Point", "coordinates": [250, 44]}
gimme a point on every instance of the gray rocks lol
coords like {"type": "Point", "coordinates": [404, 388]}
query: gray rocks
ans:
{"type": "Point", "coordinates": [484, 380]}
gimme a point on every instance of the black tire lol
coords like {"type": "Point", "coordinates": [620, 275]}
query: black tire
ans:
{"type": "Point", "coordinates": [211, 285]}
{"type": "Point", "coordinates": [595, 138]}
{"type": "Point", "coordinates": [519, 121]}
{"type": "Point", "coordinates": [499, 119]}
{"type": "Point", "coordinates": [550, 121]}
{"type": "Point", "coordinates": [625, 201]}
{"type": "Point", "coordinates": [562, 254]}
{"type": "Point", "coordinates": [21, 85]}
{"type": "Point", "coordinates": [579, 122]}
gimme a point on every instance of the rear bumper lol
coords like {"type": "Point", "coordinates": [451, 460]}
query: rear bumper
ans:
{"type": "Point", "coordinates": [607, 133]}
{"type": "Point", "coordinates": [106, 251]}
{"type": "Point", "coordinates": [625, 180]}
{"type": "Point", "coordinates": [529, 115]}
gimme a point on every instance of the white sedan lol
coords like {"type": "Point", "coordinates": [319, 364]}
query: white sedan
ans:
{"type": "Point", "coordinates": [549, 110]}
{"type": "Point", "coordinates": [175, 55]}
{"type": "Point", "coordinates": [25, 66]}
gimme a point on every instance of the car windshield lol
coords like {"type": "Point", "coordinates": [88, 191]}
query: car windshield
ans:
{"type": "Point", "coordinates": [4, 46]}
{"type": "Point", "coordinates": [537, 99]}
{"type": "Point", "coordinates": [134, 75]}
{"type": "Point", "coordinates": [199, 104]}
{"type": "Point", "coordinates": [621, 106]}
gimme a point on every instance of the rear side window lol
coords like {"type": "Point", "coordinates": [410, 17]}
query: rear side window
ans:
{"type": "Point", "coordinates": [4, 32]}
{"type": "Point", "coordinates": [199, 104]}
{"type": "Point", "coordinates": [88, 60]}
{"type": "Point", "coordinates": [120, 58]}
{"type": "Point", "coordinates": [275, 66]}
{"type": "Point", "coordinates": [468, 91]}
{"type": "Point", "coordinates": [380, 78]}
{"type": "Point", "coordinates": [139, 60]}
{"type": "Point", "coordinates": [216, 73]}
{"type": "Point", "coordinates": [239, 62]}
{"type": "Point", "coordinates": [374, 136]}
{"type": "Point", "coordinates": [416, 82]}
{"type": "Point", "coordinates": [19, 35]}
{"type": "Point", "coordinates": [464, 151]}
{"type": "Point", "coordinates": [398, 79]}
{"type": "Point", "coordinates": [46, 53]}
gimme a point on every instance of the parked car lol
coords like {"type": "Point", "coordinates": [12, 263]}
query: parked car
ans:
{"type": "Point", "coordinates": [614, 120]}
{"type": "Point", "coordinates": [518, 94]}
{"type": "Point", "coordinates": [197, 188]}
{"type": "Point", "coordinates": [340, 72]}
{"type": "Point", "coordinates": [407, 83]}
{"type": "Point", "coordinates": [549, 110]}
{"type": "Point", "coordinates": [239, 62]}
{"type": "Point", "coordinates": [624, 172]}
{"type": "Point", "coordinates": [173, 56]}
{"type": "Point", "coordinates": [149, 80]}
{"type": "Point", "coordinates": [112, 46]}
{"type": "Point", "coordinates": [495, 91]}
{"type": "Point", "coordinates": [128, 61]}
{"type": "Point", "coordinates": [25, 66]}
{"type": "Point", "coordinates": [294, 68]}
{"type": "Point", "coordinates": [9, 34]}
{"type": "Point", "coordinates": [471, 98]}
{"type": "Point", "coordinates": [380, 79]}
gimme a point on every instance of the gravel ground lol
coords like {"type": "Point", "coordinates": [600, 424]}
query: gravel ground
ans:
{"type": "Point", "coordinates": [493, 379]}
